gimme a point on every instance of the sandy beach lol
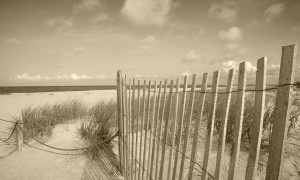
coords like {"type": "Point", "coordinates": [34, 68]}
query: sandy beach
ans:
{"type": "Point", "coordinates": [33, 163]}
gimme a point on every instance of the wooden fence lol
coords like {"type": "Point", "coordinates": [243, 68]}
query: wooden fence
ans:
{"type": "Point", "coordinates": [165, 135]}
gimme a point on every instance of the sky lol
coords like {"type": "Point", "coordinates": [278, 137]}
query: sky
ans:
{"type": "Point", "coordinates": [85, 42]}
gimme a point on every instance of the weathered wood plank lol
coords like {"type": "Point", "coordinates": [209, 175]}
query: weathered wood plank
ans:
{"type": "Point", "coordinates": [137, 128]}
{"type": "Point", "coordinates": [164, 141]}
{"type": "Point", "coordinates": [281, 113]}
{"type": "Point", "coordinates": [160, 129]}
{"type": "Point", "coordinates": [142, 128]}
{"type": "Point", "coordinates": [259, 108]}
{"type": "Point", "coordinates": [180, 126]}
{"type": "Point", "coordinates": [210, 122]}
{"type": "Point", "coordinates": [146, 128]}
{"type": "Point", "coordinates": [173, 129]}
{"type": "Point", "coordinates": [129, 130]}
{"type": "Point", "coordinates": [133, 144]}
{"type": "Point", "coordinates": [120, 115]}
{"type": "Point", "coordinates": [238, 123]}
{"type": "Point", "coordinates": [188, 124]}
{"type": "Point", "coordinates": [223, 126]}
{"type": "Point", "coordinates": [197, 125]}
{"type": "Point", "coordinates": [155, 140]}
{"type": "Point", "coordinates": [151, 128]}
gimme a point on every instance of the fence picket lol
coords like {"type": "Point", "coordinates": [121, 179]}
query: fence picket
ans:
{"type": "Point", "coordinates": [146, 127]}
{"type": "Point", "coordinates": [166, 131]}
{"type": "Point", "coordinates": [223, 126]}
{"type": "Point", "coordinates": [132, 127]}
{"type": "Point", "coordinates": [129, 129]}
{"type": "Point", "coordinates": [120, 115]}
{"type": "Point", "coordinates": [188, 124]}
{"type": "Point", "coordinates": [142, 127]}
{"type": "Point", "coordinates": [125, 125]}
{"type": "Point", "coordinates": [151, 127]}
{"type": "Point", "coordinates": [197, 125]}
{"type": "Point", "coordinates": [137, 128]}
{"type": "Point", "coordinates": [155, 129]}
{"type": "Point", "coordinates": [180, 126]}
{"type": "Point", "coordinates": [160, 128]}
{"type": "Point", "coordinates": [281, 112]}
{"type": "Point", "coordinates": [173, 128]}
{"type": "Point", "coordinates": [210, 123]}
{"type": "Point", "coordinates": [240, 102]}
{"type": "Point", "coordinates": [257, 123]}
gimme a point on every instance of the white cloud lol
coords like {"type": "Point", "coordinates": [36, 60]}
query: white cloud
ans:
{"type": "Point", "coordinates": [149, 39]}
{"type": "Point", "coordinates": [86, 5]}
{"type": "Point", "coordinates": [226, 10]}
{"type": "Point", "coordinates": [186, 73]}
{"type": "Point", "coordinates": [147, 12]}
{"type": "Point", "coordinates": [274, 11]}
{"type": "Point", "coordinates": [137, 76]}
{"type": "Point", "coordinates": [233, 34]}
{"type": "Point", "coordinates": [234, 65]}
{"type": "Point", "coordinates": [75, 77]}
{"type": "Point", "coordinates": [191, 56]}
{"type": "Point", "coordinates": [13, 40]}
{"type": "Point", "coordinates": [229, 65]}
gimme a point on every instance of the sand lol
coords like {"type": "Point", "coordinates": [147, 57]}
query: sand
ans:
{"type": "Point", "coordinates": [33, 163]}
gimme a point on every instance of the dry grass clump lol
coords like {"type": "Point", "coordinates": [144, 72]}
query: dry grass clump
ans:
{"type": "Point", "coordinates": [100, 127]}
{"type": "Point", "coordinates": [39, 121]}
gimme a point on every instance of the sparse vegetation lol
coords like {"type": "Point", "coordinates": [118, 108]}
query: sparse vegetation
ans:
{"type": "Point", "coordinates": [100, 126]}
{"type": "Point", "coordinates": [39, 121]}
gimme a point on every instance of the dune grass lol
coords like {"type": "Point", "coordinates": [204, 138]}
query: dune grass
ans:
{"type": "Point", "coordinates": [97, 123]}
{"type": "Point", "coordinates": [99, 128]}
{"type": "Point", "coordinates": [39, 121]}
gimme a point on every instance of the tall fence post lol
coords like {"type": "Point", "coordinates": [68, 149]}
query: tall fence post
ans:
{"type": "Point", "coordinates": [119, 100]}
{"type": "Point", "coordinates": [20, 134]}
{"type": "Point", "coordinates": [238, 122]}
{"type": "Point", "coordinates": [257, 123]}
{"type": "Point", "coordinates": [281, 112]}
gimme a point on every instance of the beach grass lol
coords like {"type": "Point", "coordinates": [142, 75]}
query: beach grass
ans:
{"type": "Point", "coordinates": [39, 121]}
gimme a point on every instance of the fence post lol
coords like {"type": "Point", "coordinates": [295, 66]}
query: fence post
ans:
{"type": "Point", "coordinates": [164, 142]}
{"type": "Point", "coordinates": [119, 104]}
{"type": "Point", "coordinates": [223, 127]}
{"type": "Point", "coordinates": [281, 112]}
{"type": "Point", "coordinates": [258, 119]}
{"type": "Point", "coordinates": [210, 122]}
{"type": "Point", "coordinates": [188, 125]}
{"type": "Point", "coordinates": [197, 124]}
{"type": "Point", "coordinates": [238, 122]}
{"type": "Point", "coordinates": [180, 126]}
{"type": "Point", "coordinates": [20, 135]}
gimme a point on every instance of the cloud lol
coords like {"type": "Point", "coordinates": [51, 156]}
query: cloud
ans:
{"type": "Point", "coordinates": [147, 12]}
{"type": "Point", "coordinates": [59, 25]}
{"type": "Point", "coordinates": [190, 57]}
{"type": "Point", "coordinates": [234, 65]}
{"type": "Point", "coordinates": [149, 39]}
{"type": "Point", "coordinates": [274, 11]}
{"type": "Point", "coordinates": [86, 5]}
{"type": "Point", "coordinates": [233, 34]}
{"type": "Point", "coordinates": [226, 10]}
{"type": "Point", "coordinates": [75, 77]}
{"type": "Point", "coordinates": [295, 28]}
{"type": "Point", "coordinates": [13, 40]}
{"type": "Point", "coordinates": [233, 49]}
{"type": "Point", "coordinates": [186, 73]}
